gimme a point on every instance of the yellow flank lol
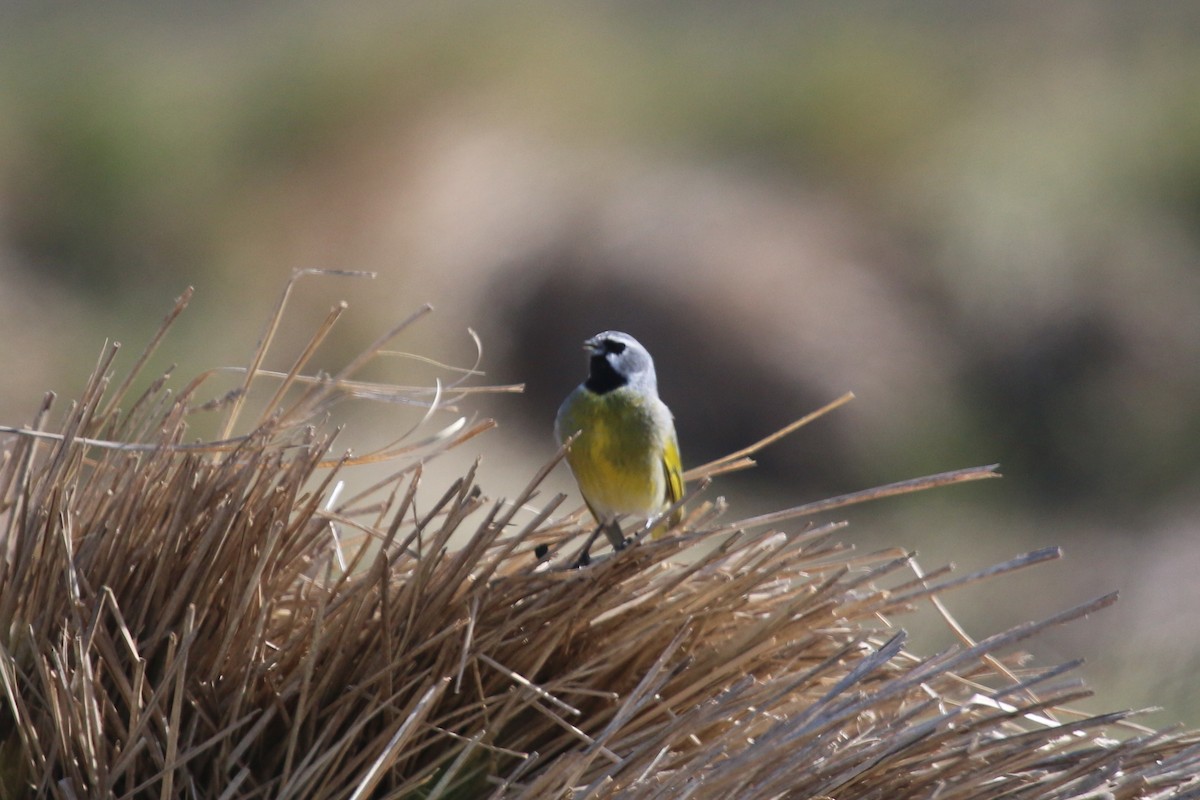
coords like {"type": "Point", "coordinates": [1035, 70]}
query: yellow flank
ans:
{"type": "Point", "coordinates": [626, 459]}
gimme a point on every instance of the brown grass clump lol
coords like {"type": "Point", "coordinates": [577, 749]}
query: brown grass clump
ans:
{"type": "Point", "coordinates": [209, 621]}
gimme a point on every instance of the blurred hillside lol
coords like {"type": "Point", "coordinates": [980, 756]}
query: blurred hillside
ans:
{"type": "Point", "coordinates": [983, 220]}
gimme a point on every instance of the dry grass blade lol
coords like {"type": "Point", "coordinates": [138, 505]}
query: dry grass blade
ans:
{"type": "Point", "coordinates": [180, 622]}
{"type": "Point", "coordinates": [117, 396]}
{"type": "Point", "coordinates": [741, 459]}
{"type": "Point", "coordinates": [268, 336]}
{"type": "Point", "coordinates": [877, 493]}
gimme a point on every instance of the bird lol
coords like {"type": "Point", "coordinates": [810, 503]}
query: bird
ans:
{"type": "Point", "coordinates": [625, 454]}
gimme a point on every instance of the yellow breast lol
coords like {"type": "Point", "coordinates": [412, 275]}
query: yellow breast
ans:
{"type": "Point", "coordinates": [618, 457]}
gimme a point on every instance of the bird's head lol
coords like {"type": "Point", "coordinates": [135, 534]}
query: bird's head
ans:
{"type": "Point", "coordinates": [617, 359]}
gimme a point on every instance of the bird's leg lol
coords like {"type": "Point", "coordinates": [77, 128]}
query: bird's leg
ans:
{"type": "Point", "coordinates": [612, 530]}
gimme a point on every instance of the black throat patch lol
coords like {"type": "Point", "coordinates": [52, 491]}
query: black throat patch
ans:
{"type": "Point", "coordinates": [602, 378]}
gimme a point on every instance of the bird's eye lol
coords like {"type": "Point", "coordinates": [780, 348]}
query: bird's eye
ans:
{"type": "Point", "coordinates": [615, 347]}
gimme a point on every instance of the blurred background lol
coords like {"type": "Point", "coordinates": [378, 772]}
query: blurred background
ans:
{"type": "Point", "coordinates": [983, 219]}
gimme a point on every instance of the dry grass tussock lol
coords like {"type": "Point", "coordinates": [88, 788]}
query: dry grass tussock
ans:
{"type": "Point", "coordinates": [209, 620]}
